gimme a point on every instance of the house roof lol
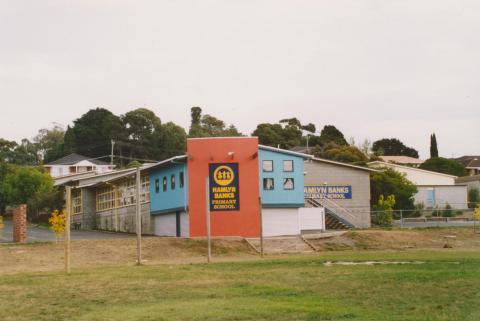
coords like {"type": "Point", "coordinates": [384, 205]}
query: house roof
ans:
{"type": "Point", "coordinates": [74, 159]}
{"type": "Point", "coordinates": [409, 168]}
{"type": "Point", "coordinates": [474, 163]}
{"type": "Point", "coordinates": [343, 164]}
{"type": "Point", "coordinates": [469, 161]}
{"type": "Point", "coordinates": [401, 160]}
{"type": "Point", "coordinates": [284, 151]}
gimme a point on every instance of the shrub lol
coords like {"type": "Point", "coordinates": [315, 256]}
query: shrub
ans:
{"type": "Point", "coordinates": [419, 208]}
{"type": "Point", "coordinates": [473, 198]}
{"type": "Point", "coordinates": [448, 210]}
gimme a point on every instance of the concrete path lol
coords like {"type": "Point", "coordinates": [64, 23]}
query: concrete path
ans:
{"type": "Point", "coordinates": [44, 234]}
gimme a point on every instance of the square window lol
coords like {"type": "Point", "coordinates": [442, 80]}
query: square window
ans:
{"type": "Point", "coordinates": [267, 165]}
{"type": "Point", "coordinates": [157, 185]}
{"type": "Point", "coordinates": [288, 165]}
{"type": "Point", "coordinates": [268, 184]}
{"type": "Point", "coordinates": [172, 182]}
{"type": "Point", "coordinates": [181, 179]}
{"type": "Point", "coordinates": [164, 183]}
{"type": "Point", "coordinates": [288, 183]}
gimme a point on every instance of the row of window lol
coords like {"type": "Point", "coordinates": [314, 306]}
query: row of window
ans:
{"type": "Point", "coordinates": [269, 184]}
{"type": "Point", "coordinates": [267, 165]}
{"type": "Point", "coordinates": [122, 194]}
{"type": "Point", "coordinates": [181, 182]}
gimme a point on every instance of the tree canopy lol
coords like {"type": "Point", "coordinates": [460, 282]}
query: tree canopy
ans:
{"type": "Point", "coordinates": [209, 126]}
{"type": "Point", "coordinates": [341, 153]}
{"type": "Point", "coordinates": [393, 147]}
{"type": "Point", "coordinates": [391, 182]}
{"type": "Point", "coordinates": [287, 133]}
{"type": "Point", "coordinates": [445, 166]}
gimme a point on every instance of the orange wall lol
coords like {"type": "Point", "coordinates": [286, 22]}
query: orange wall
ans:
{"type": "Point", "coordinates": [202, 152]}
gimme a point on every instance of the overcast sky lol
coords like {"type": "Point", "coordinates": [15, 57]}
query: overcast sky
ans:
{"type": "Point", "coordinates": [386, 68]}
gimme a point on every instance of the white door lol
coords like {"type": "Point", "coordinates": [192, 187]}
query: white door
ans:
{"type": "Point", "coordinates": [311, 218]}
{"type": "Point", "coordinates": [280, 221]}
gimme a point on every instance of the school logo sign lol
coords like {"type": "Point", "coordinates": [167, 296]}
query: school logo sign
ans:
{"type": "Point", "coordinates": [224, 191]}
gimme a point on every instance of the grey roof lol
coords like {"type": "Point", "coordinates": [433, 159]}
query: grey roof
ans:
{"type": "Point", "coordinates": [284, 151]}
{"type": "Point", "coordinates": [469, 160]}
{"type": "Point", "coordinates": [76, 158]}
{"type": "Point", "coordinates": [344, 164]}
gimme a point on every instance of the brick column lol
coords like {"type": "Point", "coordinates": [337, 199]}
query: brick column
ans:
{"type": "Point", "coordinates": [20, 224]}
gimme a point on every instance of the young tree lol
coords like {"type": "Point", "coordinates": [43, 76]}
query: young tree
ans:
{"type": "Point", "coordinates": [393, 147]}
{"type": "Point", "coordinates": [443, 165]}
{"type": "Point", "coordinates": [57, 224]}
{"type": "Point", "coordinates": [391, 182]}
{"type": "Point", "coordinates": [433, 146]}
{"type": "Point", "coordinates": [384, 211]}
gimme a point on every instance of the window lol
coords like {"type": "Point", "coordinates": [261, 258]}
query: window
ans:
{"type": "Point", "coordinates": [105, 198]}
{"type": "Point", "coordinates": [288, 183]}
{"type": "Point", "coordinates": [181, 179]}
{"type": "Point", "coordinates": [268, 184]}
{"type": "Point", "coordinates": [172, 182]}
{"type": "Point", "coordinates": [76, 199]}
{"type": "Point", "coordinates": [267, 165]}
{"type": "Point", "coordinates": [157, 185]}
{"type": "Point", "coordinates": [122, 193]}
{"type": "Point", "coordinates": [288, 165]}
{"type": "Point", "coordinates": [164, 183]}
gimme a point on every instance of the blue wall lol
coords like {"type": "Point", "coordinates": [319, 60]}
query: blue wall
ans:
{"type": "Point", "coordinates": [170, 200]}
{"type": "Point", "coordinates": [279, 197]}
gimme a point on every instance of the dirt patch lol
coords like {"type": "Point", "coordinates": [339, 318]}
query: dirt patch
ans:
{"type": "Point", "coordinates": [400, 239]}
{"type": "Point", "coordinates": [50, 256]}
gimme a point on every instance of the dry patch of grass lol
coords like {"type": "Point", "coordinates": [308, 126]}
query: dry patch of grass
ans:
{"type": "Point", "coordinates": [400, 239]}
{"type": "Point", "coordinates": [49, 256]}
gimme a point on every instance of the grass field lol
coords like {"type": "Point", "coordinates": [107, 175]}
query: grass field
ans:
{"type": "Point", "coordinates": [445, 287]}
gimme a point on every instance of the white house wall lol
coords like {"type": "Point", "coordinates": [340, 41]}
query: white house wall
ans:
{"type": "Point", "coordinates": [455, 195]}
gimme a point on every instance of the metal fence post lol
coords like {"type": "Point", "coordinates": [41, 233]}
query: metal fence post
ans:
{"type": "Point", "coordinates": [401, 218]}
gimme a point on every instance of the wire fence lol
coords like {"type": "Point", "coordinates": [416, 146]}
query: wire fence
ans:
{"type": "Point", "coordinates": [425, 218]}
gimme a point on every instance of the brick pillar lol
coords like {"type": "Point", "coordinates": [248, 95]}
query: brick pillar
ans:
{"type": "Point", "coordinates": [20, 224]}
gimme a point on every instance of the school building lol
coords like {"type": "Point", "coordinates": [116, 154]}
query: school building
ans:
{"type": "Point", "coordinates": [234, 179]}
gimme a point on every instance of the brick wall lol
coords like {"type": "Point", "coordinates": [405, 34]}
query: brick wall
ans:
{"type": "Point", "coordinates": [20, 224]}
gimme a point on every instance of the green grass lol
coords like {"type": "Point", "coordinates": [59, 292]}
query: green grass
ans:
{"type": "Point", "coordinates": [290, 288]}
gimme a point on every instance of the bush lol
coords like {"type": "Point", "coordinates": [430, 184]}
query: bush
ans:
{"type": "Point", "coordinates": [448, 211]}
{"type": "Point", "coordinates": [419, 208]}
{"type": "Point", "coordinates": [473, 197]}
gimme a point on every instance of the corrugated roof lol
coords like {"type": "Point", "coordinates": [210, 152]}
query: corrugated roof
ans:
{"type": "Point", "coordinates": [385, 164]}
{"type": "Point", "coordinates": [402, 159]}
{"type": "Point", "coordinates": [344, 164]}
{"type": "Point", "coordinates": [74, 159]}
